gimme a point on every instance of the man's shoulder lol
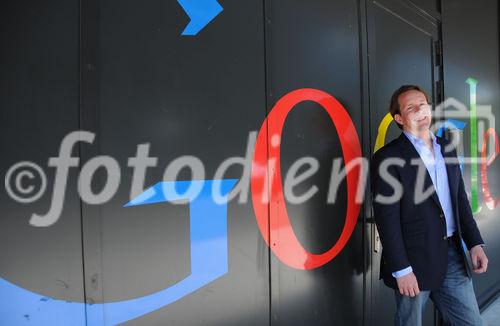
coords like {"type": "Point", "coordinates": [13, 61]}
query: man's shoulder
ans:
{"type": "Point", "coordinates": [391, 149]}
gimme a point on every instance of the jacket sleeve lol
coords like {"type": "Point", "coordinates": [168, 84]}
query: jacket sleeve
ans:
{"type": "Point", "coordinates": [387, 216]}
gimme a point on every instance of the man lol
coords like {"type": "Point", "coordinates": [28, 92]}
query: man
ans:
{"type": "Point", "coordinates": [422, 214]}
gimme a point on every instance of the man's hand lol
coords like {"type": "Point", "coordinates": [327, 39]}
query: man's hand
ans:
{"type": "Point", "coordinates": [479, 259]}
{"type": "Point", "coordinates": [408, 285]}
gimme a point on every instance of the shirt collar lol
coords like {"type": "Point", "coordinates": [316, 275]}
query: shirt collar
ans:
{"type": "Point", "coordinates": [417, 140]}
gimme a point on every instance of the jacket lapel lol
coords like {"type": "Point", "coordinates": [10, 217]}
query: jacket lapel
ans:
{"type": "Point", "coordinates": [410, 154]}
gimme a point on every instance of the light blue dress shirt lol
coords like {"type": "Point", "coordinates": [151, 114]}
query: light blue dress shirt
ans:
{"type": "Point", "coordinates": [436, 167]}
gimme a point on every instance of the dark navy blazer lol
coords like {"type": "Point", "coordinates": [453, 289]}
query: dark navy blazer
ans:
{"type": "Point", "coordinates": [415, 233]}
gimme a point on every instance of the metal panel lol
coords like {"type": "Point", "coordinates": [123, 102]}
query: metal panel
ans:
{"type": "Point", "coordinates": [315, 44]}
{"type": "Point", "coordinates": [41, 266]}
{"type": "Point", "coordinates": [184, 95]}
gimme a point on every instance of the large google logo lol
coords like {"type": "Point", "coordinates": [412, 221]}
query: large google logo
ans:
{"type": "Point", "coordinates": [208, 224]}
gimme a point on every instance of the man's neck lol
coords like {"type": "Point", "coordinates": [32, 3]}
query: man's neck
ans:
{"type": "Point", "coordinates": [424, 134]}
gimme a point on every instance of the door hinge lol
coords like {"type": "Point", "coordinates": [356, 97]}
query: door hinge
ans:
{"type": "Point", "coordinates": [438, 51]}
{"type": "Point", "coordinates": [439, 91]}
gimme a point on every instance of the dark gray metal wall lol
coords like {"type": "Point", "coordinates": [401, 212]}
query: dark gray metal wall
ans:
{"type": "Point", "coordinates": [122, 70]}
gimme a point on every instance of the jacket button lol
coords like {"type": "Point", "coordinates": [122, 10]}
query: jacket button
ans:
{"type": "Point", "coordinates": [441, 215]}
{"type": "Point", "coordinates": [444, 238]}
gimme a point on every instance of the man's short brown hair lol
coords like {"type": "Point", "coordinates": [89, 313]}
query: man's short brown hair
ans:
{"type": "Point", "coordinates": [394, 107]}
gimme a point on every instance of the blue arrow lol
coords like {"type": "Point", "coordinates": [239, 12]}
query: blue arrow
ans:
{"type": "Point", "coordinates": [201, 12]}
{"type": "Point", "coordinates": [209, 261]}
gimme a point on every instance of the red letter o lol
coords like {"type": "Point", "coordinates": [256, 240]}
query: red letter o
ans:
{"type": "Point", "coordinates": [277, 227]}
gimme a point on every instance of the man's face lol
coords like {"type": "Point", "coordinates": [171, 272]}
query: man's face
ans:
{"type": "Point", "coordinates": [415, 112]}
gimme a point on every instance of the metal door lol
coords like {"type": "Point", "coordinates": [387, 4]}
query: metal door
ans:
{"type": "Point", "coordinates": [403, 48]}
{"type": "Point", "coordinates": [313, 48]}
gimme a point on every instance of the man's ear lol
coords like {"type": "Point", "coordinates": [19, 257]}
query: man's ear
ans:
{"type": "Point", "coordinates": [398, 118]}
